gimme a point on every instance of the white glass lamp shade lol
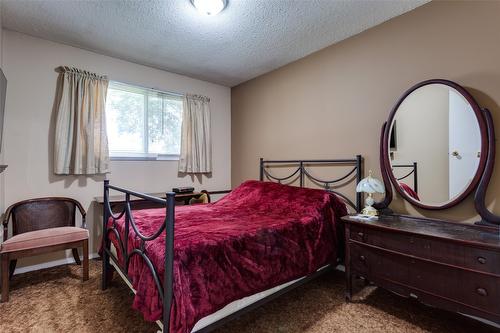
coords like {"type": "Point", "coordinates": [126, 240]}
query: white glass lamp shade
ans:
{"type": "Point", "coordinates": [370, 185]}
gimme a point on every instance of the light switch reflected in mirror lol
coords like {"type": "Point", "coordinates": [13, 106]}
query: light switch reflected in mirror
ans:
{"type": "Point", "coordinates": [434, 145]}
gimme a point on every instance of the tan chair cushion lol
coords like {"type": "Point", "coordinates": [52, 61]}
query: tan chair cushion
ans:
{"type": "Point", "coordinates": [43, 238]}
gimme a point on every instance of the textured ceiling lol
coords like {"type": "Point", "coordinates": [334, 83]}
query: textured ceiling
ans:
{"type": "Point", "coordinates": [249, 38]}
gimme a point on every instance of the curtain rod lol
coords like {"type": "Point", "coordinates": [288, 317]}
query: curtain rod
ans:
{"type": "Point", "coordinates": [62, 69]}
{"type": "Point", "coordinates": [76, 70]}
{"type": "Point", "coordinates": [149, 88]}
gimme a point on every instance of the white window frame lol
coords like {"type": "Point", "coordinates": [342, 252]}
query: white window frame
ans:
{"type": "Point", "coordinates": [127, 156]}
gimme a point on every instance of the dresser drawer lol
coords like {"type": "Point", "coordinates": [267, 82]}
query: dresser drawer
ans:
{"type": "Point", "coordinates": [413, 245]}
{"type": "Point", "coordinates": [360, 260]}
{"type": "Point", "coordinates": [386, 240]}
{"type": "Point", "coordinates": [433, 278]}
{"type": "Point", "coordinates": [482, 260]}
{"type": "Point", "coordinates": [443, 251]}
{"type": "Point", "coordinates": [373, 263]}
{"type": "Point", "coordinates": [480, 291]}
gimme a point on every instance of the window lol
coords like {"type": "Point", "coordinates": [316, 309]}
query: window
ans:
{"type": "Point", "coordinates": [143, 123]}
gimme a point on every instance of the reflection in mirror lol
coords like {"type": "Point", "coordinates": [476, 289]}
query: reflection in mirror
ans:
{"type": "Point", "coordinates": [435, 144]}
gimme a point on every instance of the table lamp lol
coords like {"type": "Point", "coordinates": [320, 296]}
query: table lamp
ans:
{"type": "Point", "coordinates": [370, 185]}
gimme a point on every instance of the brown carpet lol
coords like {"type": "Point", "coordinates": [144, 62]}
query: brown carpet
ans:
{"type": "Point", "coordinates": [55, 300]}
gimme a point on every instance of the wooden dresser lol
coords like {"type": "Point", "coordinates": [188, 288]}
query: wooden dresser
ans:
{"type": "Point", "coordinates": [449, 265]}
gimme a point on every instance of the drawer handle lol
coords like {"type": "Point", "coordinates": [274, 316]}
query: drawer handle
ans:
{"type": "Point", "coordinates": [361, 235]}
{"type": "Point", "coordinates": [481, 260]}
{"type": "Point", "coordinates": [482, 291]}
{"type": "Point", "coordinates": [362, 258]}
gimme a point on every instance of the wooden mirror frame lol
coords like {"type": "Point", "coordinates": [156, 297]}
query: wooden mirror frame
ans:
{"type": "Point", "coordinates": [484, 171]}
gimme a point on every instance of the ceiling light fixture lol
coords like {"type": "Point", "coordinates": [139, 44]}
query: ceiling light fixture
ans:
{"type": "Point", "coordinates": [209, 7]}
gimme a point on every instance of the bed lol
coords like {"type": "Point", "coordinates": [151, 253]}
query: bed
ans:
{"type": "Point", "coordinates": [259, 241]}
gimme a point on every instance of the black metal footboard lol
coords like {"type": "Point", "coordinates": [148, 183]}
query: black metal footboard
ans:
{"type": "Point", "coordinates": [165, 287]}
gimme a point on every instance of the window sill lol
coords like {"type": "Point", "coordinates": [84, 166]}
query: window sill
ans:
{"type": "Point", "coordinates": [145, 158]}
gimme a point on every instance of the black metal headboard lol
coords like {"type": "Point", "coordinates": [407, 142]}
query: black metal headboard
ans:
{"type": "Point", "coordinates": [413, 170]}
{"type": "Point", "coordinates": [303, 173]}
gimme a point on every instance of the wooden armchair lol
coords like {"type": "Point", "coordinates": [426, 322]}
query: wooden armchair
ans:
{"type": "Point", "coordinates": [39, 226]}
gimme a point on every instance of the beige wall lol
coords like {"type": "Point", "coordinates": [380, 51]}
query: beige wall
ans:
{"type": "Point", "coordinates": [29, 65]}
{"type": "Point", "coordinates": [332, 103]}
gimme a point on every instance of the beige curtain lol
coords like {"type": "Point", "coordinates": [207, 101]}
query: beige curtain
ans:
{"type": "Point", "coordinates": [196, 140]}
{"type": "Point", "coordinates": [81, 143]}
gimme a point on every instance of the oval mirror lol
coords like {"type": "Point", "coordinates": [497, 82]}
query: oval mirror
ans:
{"type": "Point", "coordinates": [436, 144]}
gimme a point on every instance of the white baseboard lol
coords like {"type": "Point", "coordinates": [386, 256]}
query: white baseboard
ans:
{"type": "Point", "coordinates": [49, 264]}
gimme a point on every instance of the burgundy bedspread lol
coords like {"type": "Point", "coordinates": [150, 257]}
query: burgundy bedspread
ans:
{"type": "Point", "coordinates": [259, 236]}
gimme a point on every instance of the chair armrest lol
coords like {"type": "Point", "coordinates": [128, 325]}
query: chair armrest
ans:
{"type": "Point", "coordinates": [5, 222]}
{"type": "Point", "coordinates": [82, 212]}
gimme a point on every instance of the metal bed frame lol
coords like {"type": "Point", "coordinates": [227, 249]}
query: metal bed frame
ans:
{"type": "Point", "coordinates": [413, 171]}
{"type": "Point", "coordinates": [302, 173]}
{"type": "Point", "coordinates": [165, 287]}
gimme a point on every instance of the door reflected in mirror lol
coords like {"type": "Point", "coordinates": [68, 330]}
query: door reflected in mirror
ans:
{"type": "Point", "coordinates": [434, 144]}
